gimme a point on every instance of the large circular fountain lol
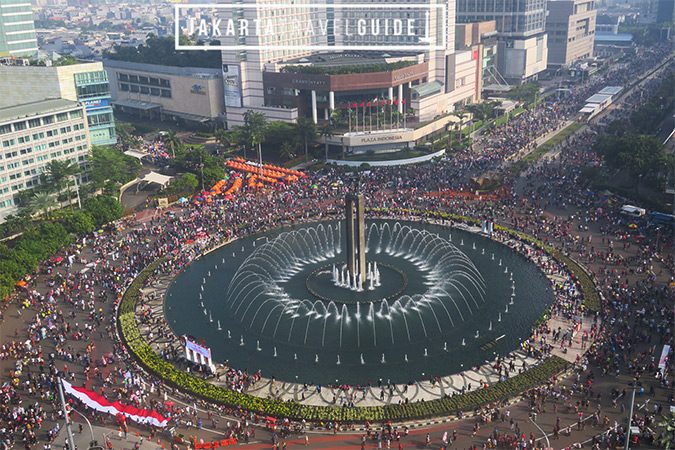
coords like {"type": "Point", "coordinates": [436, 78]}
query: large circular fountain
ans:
{"type": "Point", "coordinates": [433, 301]}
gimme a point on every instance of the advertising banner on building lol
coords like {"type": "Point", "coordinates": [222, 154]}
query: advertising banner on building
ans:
{"type": "Point", "coordinates": [93, 104]}
{"type": "Point", "coordinates": [232, 85]}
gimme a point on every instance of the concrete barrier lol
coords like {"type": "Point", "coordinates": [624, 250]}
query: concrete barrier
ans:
{"type": "Point", "coordinates": [393, 162]}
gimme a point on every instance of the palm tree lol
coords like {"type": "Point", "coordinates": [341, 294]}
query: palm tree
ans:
{"type": "Point", "coordinates": [306, 130]}
{"type": "Point", "coordinates": [460, 115]}
{"type": "Point", "coordinates": [287, 150]}
{"type": "Point", "coordinates": [42, 202]}
{"type": "Point", "coordinates": [172, 141]}
{"type": "Point", "coordinates": [224, 138]}
{"type": "Point", "coordinates": [327, 133]}
{"type": "Point", "coordinates": [60, 174]}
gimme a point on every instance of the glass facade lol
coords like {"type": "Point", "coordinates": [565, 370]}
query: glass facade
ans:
{"type": "Point", "coordinates": [17, 28]}
{"type": "Point", "coordinates": [94, 91]}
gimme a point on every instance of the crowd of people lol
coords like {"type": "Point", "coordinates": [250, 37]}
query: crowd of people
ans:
{"type": "Point", "coordinates": [69, 323]}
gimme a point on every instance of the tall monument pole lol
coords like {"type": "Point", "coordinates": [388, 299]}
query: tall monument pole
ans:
{"type": "Point", "coordinates": [356, 235]}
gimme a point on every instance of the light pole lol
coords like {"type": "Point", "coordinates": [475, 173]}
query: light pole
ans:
{"type": "Point", "coordinates": [71, 442]}
{"type": "Point", "coordinates": [548, 443]}
{"type": "Point", "coordinates": [91, 429]}
{"type": "Point", "coordinates": [630, 416]}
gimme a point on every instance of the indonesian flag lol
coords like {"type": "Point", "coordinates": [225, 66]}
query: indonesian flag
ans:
{"type": "Point", "coordinates": [99, 403]}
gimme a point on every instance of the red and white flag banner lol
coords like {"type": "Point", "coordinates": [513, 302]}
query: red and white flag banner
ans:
{"type": "Point", "coordinates": [99, 403]}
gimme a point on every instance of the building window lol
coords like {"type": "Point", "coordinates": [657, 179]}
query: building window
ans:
{"type": "Point", "coordinates": [76, 114]}
{"type": "Point", "coordinates": [166, 93]}
{"type": "Point", "coordinates": [18, 126]}
{"type": "Point", "coordinates": [4, 129]}
{"type": "Point", "coordinates": [47, 120]}
{"type": "Point", "coordinates": [34, 123]}
{"type": "Point", "coordinates": [62, 117]}
{"type": "Point", "coordinates": [124, 87]}
{"type": "Point", "coordinates": [122, 76]}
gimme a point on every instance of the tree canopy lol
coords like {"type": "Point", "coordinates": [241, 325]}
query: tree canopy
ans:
{"type": "Point", "coordinates": [161, 50]}
{"type": "Point", "coordinates": [111, 168]}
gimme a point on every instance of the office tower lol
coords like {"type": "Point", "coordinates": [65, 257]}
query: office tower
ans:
{"type": "Point", "coordinates": [85, 82]}
{"type": "Point", "coordinates": [32, 135]}
{"type": "Point", "coordinates": [17, 29]}
{"type": "Point", "coordinates": [570, 25]}
{"type": "Point", "coordinates": [522, 49]}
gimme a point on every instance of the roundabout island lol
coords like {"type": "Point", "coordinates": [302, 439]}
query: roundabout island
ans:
{"type": "Point", "coordinates": [437, 323]}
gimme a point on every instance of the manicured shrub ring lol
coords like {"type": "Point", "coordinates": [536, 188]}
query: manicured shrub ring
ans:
{"type": "Point", "coordinates": [153, 363]}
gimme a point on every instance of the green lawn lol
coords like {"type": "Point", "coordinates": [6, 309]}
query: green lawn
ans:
{"type": "Point", "coordinates": [513, 113]}
{"type": "Point", "coordinates": [555, 140]}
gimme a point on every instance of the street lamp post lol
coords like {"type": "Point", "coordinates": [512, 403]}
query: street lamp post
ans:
{"type": "Point", "coordinates": [91, 429]}
{"type": "Point", "coordinates": [630, 416]}
{"type": "Point", "coordinates": [548, 443]}
{"type": "Point", "coordinates": [69, 431]}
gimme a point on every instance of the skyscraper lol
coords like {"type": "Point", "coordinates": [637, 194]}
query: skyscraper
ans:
{"type": "Point", "coordinates": [429, 79]}
{"type": "Point", "coordinates": [521, 24]}
{"type": "Point", "coordinates": [17, 28]}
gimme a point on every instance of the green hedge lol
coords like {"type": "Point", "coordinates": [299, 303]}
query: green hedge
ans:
{"type": "Point", "coordinates": [155, 364]}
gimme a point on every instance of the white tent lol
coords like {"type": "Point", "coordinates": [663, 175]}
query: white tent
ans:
{"type": "Point", "coordinates": [153, 177]}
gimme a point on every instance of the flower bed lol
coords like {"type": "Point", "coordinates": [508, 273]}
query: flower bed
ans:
{"type": "Point", "coordinates": [155, 364]}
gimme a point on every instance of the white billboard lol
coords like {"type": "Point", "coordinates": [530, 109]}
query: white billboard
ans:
{"type": "Point", "coordinates": [232, 85]}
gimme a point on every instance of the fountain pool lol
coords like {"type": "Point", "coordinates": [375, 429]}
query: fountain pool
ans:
{"type": "Point", "coordinates": [426, 305]}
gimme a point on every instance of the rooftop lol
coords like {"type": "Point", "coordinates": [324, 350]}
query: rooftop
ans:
{"type": "Point", "coordinates": [598, 98]}
{"type": "Point", "coordinates": [193, 72]}
{"type": "Point", "coordinates": [36, 108]}
{"type": "Point", "coordinates": [611, 90]}
{"type": "Point", "coordinates": [348, 59]}
{"type": "Point", "coordinates": [609, 37]}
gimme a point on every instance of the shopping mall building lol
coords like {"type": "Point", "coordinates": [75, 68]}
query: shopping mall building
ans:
{"type": "Point", "coordinates": [289, 76]}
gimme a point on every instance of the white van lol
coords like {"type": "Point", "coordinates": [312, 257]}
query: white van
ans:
{"type": "Point", "coordinates": [633, 211]}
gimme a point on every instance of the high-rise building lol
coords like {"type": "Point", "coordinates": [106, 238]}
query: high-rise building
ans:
{"type": "Point", "coordinates": [656, 11]}
{"type": "Point", "coordinates": [522, 48]}
{"type": "Point", "coordinates": [268, 75]}
{"type": "Point", "coordinates": [17, 28]}
{"type": "Point", "coordinates": [85, 82]}
{"type": "Point", "coordinates": [570, 25]}
{"type": "Point", "coordinates": [32, 135]}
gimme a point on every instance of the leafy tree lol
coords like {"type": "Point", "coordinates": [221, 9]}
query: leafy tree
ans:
{"type": "Point", "coordinates": [103, 210]}
{"type": "Point", "coordinates": [279, 132]}
{"type": "Point", "coordinates": [161, 50]}
{"type": "Point", "coordinates": [524, 93]}
{"type": "Point", "coordinates": [483, 111]}
{"type": "Point", "coordinates": [110, 168]}
{"type": "Point", "coordinates": [616, 128]}
{"type": "Point", "coordinates": [79, 223]}
{"type": "Point", "coordinates": [213, 174]}
{"type": "Point", "coordinates": [640, 155]}
{"type": "Point", "coordinates": [666, 431]}
{"type": "Point", "coordinates": [306, 130]}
